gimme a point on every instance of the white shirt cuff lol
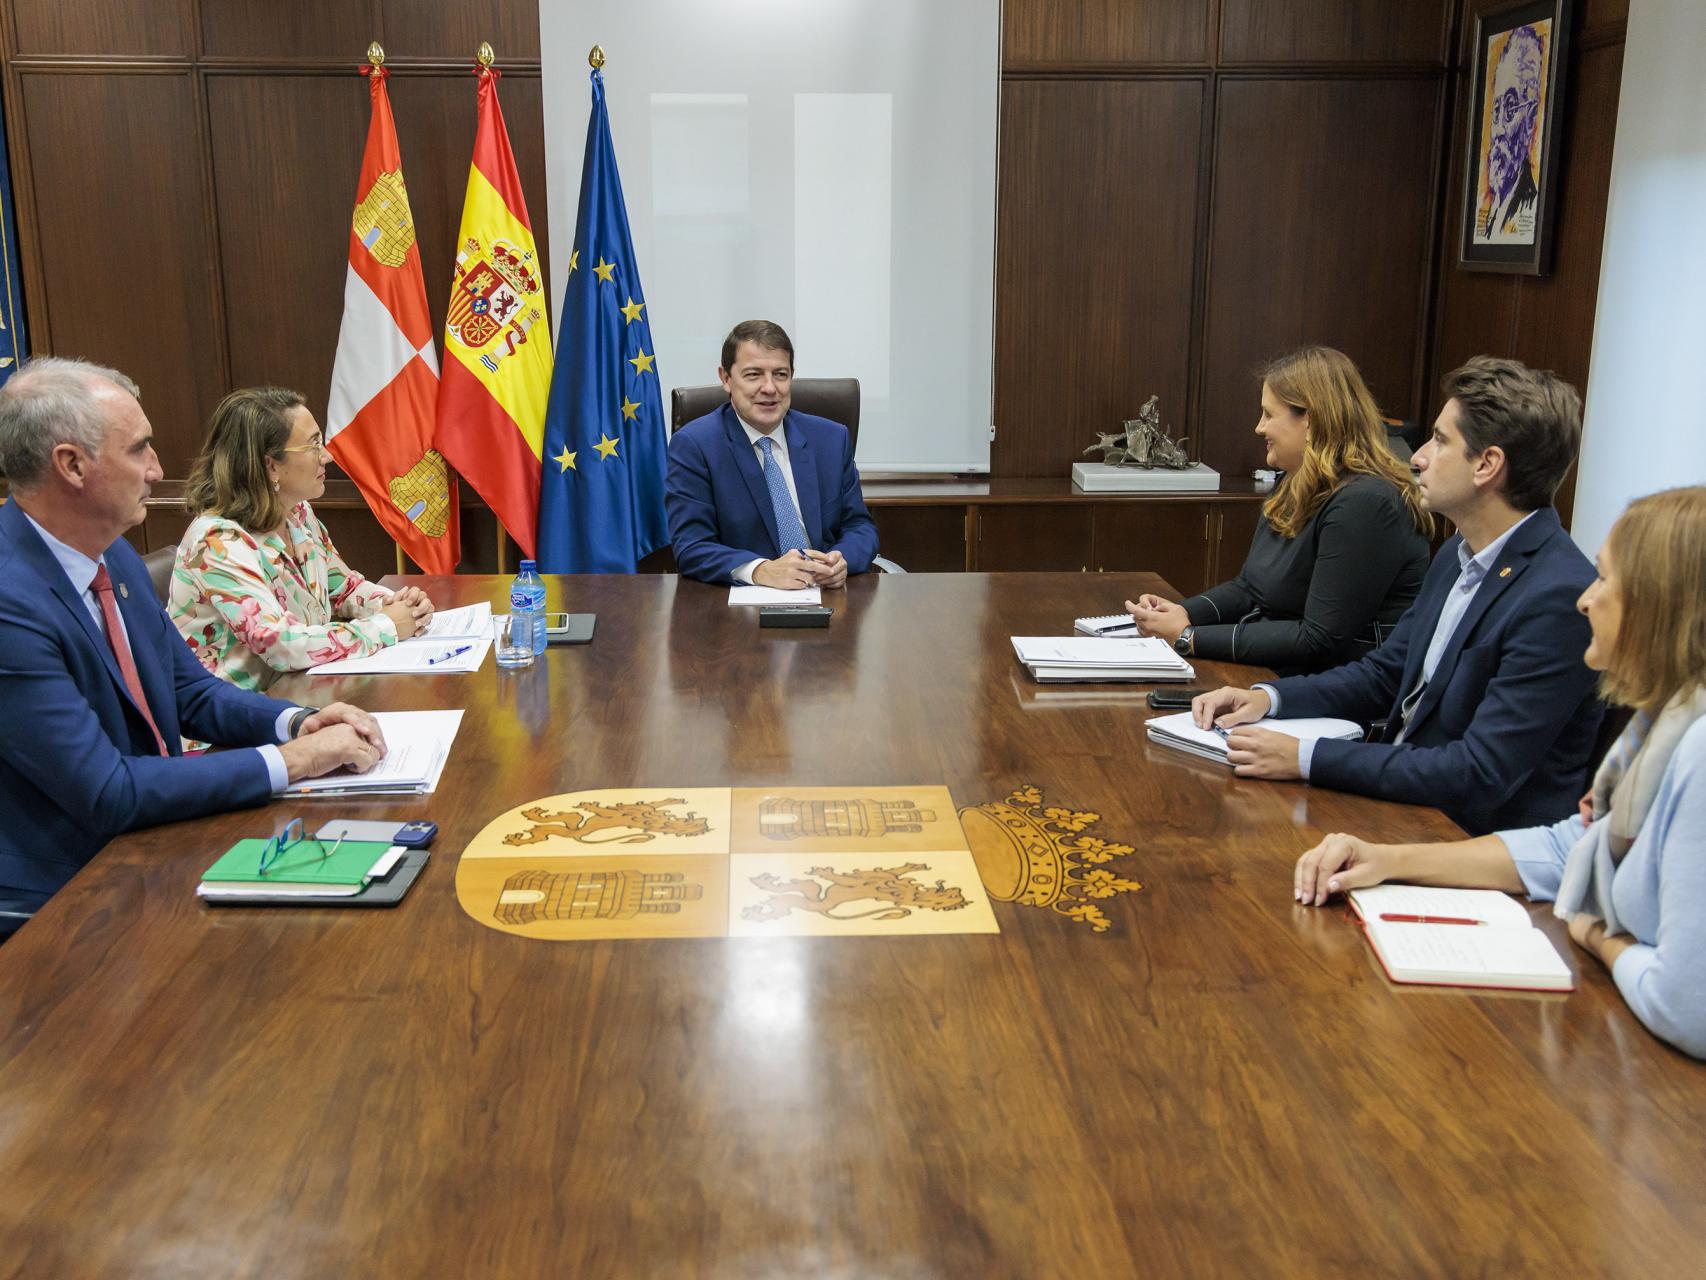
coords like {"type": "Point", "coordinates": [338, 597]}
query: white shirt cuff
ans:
{"type": "Point", "coordinates": [278, 776]}
{"type": "Point", "coordinates": [743, 575]}
{"type": "Point", "coordinates": [281, 727]}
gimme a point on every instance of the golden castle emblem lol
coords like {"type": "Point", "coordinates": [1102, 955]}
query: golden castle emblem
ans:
{"type": "Point", "coordinates": [1031, 855]}
{"type": "Point", "coordinates": [422, 493]}
{"type": "Point", "coordinates": [382, 221]}
{"type": "Point", "coordinates": [859, 819]}
{"type": "Point", "coordinates": [592, 895]}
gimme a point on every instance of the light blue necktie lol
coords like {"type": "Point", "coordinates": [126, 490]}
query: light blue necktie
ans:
{"type": "Point", "coordinates": [790, 533]}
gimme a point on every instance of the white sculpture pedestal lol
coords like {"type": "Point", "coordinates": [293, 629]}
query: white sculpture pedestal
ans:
{"type": "Point", "coordinates": [1099, 477]}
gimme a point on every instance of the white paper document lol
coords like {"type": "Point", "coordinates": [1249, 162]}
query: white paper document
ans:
{"type": "Point", "coordinates": [417, 745]}
{"type": "Point", "coordinates": [454, 643]}
{"type": "Point", "coordinates": [775, 595]}
{"type": "Point", "coordinates": [1077, 659]}
{"type": "Point", "coordinates": [453, 655]}
{"type": "Point", "coordinates": [1181, 733]}
{"type": "Point", "coordinates": [469, 620]}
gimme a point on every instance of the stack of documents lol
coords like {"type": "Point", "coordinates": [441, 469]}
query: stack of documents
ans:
{"type": "Point", "coordinates": [417, 743]}
{"type": "Point", "coordinates": [1180, 733]}
{"type": "Point", "coordinates": [455, 643]}
{"type": "Point", "coordinates": [1052, 659]}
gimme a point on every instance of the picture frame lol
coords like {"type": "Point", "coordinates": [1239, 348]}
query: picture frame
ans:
{"type": "Point", "coordinates": [1519, 52]}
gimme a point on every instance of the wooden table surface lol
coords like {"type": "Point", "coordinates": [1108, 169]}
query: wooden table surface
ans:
{"type": "Point", "coordinates": [1222, 1083]}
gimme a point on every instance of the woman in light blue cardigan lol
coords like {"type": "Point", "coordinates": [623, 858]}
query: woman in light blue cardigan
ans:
{"type": "Point", "coordinates": [1629, 870]}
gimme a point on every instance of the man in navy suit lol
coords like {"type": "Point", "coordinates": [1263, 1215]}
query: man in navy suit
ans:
{"type": "Point", "coordinates": [1489, 711]}
{"type": "Point", "coordinates": [97, 684]}
{"type": "Point", "coordinates": [757, 493]}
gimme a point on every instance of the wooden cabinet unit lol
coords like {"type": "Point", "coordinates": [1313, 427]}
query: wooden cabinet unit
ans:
{"type": "Point", "coordinates": [1019, 525]}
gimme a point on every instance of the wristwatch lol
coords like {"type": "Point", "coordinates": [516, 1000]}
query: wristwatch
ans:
{"type": "Point", "coordinates": [1186, 644]}
{"type": "Point", "coordinates": [297, 719]}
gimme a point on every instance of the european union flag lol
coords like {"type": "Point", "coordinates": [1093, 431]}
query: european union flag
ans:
{"type": "Point", "coordinates": [601, 490]}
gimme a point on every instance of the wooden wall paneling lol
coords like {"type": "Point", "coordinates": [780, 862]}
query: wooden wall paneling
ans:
{"type": "Point", "coordinates": [1336, 31]}
{"type": "Point", "coordinates": [1168, 538]}
{"type": "Point", "coordinates": [923, 539]}
{"type": "Point", "coordinates": [1033, 537]}
{"type": "Point", "coordinates": [101, 28]}
{"type": "Point", "coordinates": [1096, 245]}
{"type": "Point", "coordinates": [435, 133]}
{"type": "Point", "coordinates": [1323, 207]}
{"type": "Point", "coordinates": [283, 308]}
{"type": "Point", "coordinates": [1039, 34]}
{"type": "Point", "coordinates": [116, 166]}
{"type": "Point", "coordinates": [433, 29]}
{"type": "Point", "coordinates": [301, 29]}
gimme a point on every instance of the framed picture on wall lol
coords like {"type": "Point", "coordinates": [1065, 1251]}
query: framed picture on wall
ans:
{"type": "Point", "coordinates": [1516, 125]}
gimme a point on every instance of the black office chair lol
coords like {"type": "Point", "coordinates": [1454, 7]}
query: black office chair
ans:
{"type": "Point", "coordinates": [834, 398]}
{"type": "Point", "coordinates": [159, 565]}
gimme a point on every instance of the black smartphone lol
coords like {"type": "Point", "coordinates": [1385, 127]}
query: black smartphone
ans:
{"type": "Point", "coordinates": [1173, 699]}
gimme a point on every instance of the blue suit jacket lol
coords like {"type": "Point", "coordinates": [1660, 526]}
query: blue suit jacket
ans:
{"type": "Point", "coordinates": [1501, 738]}
{"type": "Point", "coordinates": [719, 509]}
{"type": "Point", "coordinates": [77, 762]}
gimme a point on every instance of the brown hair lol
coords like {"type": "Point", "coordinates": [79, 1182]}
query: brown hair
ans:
{"type": "Point", "coordinates": [1346, 438]}
{"type": "Point", "coordinates": [1534, 416]}
{"type": "Point", "coordinates": [1658, 559]}
{"type": "Point", "coordinates": [229, 479]}
{"type": "Point", "coordinates": [763, 333]}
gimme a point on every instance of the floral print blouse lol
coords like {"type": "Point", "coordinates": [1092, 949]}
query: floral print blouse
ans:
{"type": "Point", "coordinates": [255, 607]}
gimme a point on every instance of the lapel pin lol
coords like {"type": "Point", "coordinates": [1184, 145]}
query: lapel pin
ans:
{"type": "Point", "coordinates": [124, 591]}
{"type": "Point", "coordinates": [1505, 572]}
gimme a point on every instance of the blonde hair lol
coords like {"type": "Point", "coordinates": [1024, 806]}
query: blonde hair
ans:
{"type": "Point", "coordinates": [229, 479]}
{"type": "Point", "coordinates": [1346, 438]}
{"type": "Point", "coordinates": [1658, 556]}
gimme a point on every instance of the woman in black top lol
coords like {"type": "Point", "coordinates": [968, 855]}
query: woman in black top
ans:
{"type": "Point", "coordinates": [1342, 544]}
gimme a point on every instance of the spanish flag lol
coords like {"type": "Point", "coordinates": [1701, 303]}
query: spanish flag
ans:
{"type": "Point", "coordinates": [497, 341]}
{"type": "Point", "coordinates": [379, 418]}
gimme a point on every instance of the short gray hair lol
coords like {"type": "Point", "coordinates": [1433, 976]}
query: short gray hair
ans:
{"type": "Point", "coordinates": [48, 402]}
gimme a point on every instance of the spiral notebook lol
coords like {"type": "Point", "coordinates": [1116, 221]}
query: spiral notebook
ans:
{"type": "Point", "coordinates": [1113, 624]}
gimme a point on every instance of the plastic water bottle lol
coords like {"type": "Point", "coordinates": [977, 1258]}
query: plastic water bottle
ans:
{"type": "Point", "coordinates": [527, 600]}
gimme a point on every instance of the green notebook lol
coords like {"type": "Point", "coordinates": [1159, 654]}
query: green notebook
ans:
{"type": "Point", "coordinates": [306, 867]}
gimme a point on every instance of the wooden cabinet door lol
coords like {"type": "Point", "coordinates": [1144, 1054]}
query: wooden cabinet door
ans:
{"type": "Point", "coordinates": [1033, 536]}
{"type": "Point", "coordinates": [1234, 526]}
{"type": "Point", "coordinates": [1170, 538]}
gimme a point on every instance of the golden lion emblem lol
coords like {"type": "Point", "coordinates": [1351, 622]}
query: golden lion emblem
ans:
{"type": "Point", "coordinates": [647, 821]}
{"type": "Point", "coordinates": [885, 884]}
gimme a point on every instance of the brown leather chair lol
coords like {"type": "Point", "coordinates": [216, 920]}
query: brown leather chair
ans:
{"type": "Point", "coordinates": [834, 398]}
{"type": "Point", "coordinates": [160, 570]}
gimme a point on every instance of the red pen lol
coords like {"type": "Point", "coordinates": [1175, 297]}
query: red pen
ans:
{"type": "Point", "coordinates": [1387, 915]}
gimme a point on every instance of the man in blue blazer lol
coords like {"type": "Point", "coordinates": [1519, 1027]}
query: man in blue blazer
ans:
{"type": "Point", "coordinates": [759, 494]}
{"type": "Point", "coordinates": [97, 684]}
{"type": "Point", "coordinates": [1489, 711]}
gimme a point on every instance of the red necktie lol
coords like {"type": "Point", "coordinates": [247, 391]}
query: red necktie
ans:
{"type": "Point", "coordinates": [103, 588]}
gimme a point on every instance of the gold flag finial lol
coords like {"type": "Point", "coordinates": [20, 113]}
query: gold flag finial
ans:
{"type": "Point", "coordinates": [375, 54]}
{"type": "Point", "coordinates": [484, 56]}
{"type": "Point", "coordinates": [596, 57]}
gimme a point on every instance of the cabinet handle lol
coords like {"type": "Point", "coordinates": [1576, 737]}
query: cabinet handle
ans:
{"type": "Point", "coordinates": [1220, 530]}
{"type": "Point", "coordinates": [1205, 526]}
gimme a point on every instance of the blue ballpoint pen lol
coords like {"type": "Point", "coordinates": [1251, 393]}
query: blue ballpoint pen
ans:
{"type": "Point", "coordinates": [448, 655]}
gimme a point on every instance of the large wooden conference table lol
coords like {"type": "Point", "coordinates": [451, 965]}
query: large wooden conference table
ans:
{"type": "Point", "coordinates": [1220, 1083]}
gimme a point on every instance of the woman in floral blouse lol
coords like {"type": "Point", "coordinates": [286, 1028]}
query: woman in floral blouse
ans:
{"type": "Point", "coordinates": [258, 589]}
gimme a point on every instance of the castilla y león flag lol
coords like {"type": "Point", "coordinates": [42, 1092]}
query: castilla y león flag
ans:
{"type": "Point", "coordinates": [379, 422]}
{"type": "Point", "coordinates": [497, 341]}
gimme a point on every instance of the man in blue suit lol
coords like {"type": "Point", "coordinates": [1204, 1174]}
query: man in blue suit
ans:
{"type": "Point", "coordinates": [97, 684]}
{"type": "Point", "coordinates": [758, 494]}
{"type": "Point", "coordinates": [1489, 711]}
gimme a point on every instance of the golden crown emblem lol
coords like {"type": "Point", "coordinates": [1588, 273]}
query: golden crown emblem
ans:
{"type": "Point", "coordinates": [515, 268]}
{"type": "Point", "coordinates": [1032, 854]}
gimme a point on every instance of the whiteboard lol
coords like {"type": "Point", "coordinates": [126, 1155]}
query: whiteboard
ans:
{"type": "Point", "coordinates": [830, 166]}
